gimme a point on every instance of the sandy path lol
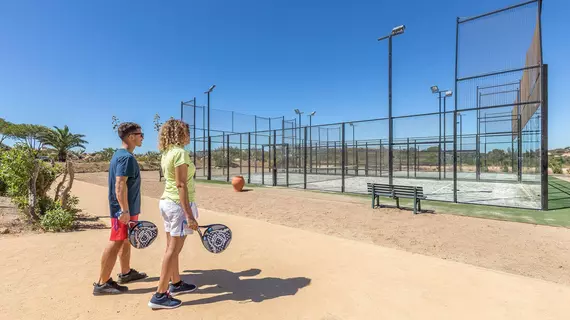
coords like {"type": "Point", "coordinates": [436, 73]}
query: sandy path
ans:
{"type": "Point", "coordinates": [296, 275]}
{"type": "Point", "coordinates": [537, 251]}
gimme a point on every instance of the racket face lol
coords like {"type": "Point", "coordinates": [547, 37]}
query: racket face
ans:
{"type": "Point", "coordinates": [142, 234]}
{"type": "Point", "coordinates": [216, 238]}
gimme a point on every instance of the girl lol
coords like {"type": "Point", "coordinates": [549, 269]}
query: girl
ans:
{"type": "Point", "coordinates": [178, 209]}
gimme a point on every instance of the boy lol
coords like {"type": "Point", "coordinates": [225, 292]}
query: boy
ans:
{"type": "Point", "coordinates": [124, 204]}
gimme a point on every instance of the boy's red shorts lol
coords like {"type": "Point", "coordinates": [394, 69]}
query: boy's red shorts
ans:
{"type": "Point", "coordinates": [119, 230]}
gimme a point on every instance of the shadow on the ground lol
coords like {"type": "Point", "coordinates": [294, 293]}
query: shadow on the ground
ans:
{"type": "Point", "coordinates": [404, 208]}
{"type": "Point", "coordinates": [86, 222]}
{"type": "Point", "coordinates": [229, 285]}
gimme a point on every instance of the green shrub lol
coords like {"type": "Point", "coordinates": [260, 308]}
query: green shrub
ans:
{"type": "Point", "coordinates": [16, 167]}
{"type": "Point", "coordinates": [555, 165]}
{"type": "Point", "coordinates": [57, 219]}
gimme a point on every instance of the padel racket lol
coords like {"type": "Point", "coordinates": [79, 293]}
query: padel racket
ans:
{"type": "Point", "coordinates": [142, 233]}
{"type": "Point", "coordinates": [216, 238]}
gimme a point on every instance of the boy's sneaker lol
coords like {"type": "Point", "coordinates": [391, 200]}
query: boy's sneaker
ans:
{"type": "Point", "coordinates": [109, 287]}
{"type": "Point", "coordinates": [132, 275]}
{"type": "Point", "coordinates": [181, 288]}
{"type": "Point", "coordinates": [163, 301]}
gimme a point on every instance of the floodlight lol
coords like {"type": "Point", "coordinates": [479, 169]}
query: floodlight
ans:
{"type": "Point", "coordinates": [211, 88]}
{"type": "Point", "coordinates": [448, 93]}
{"type": "Point", "coordinates": [398, 30]}
{"type": "Point", "coordinates": [434, 89]}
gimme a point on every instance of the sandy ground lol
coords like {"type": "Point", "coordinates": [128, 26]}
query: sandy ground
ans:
{"type": "Point", "coordinates": [536, 251]}
{"type": "Point", "coordinates": [269, 272]}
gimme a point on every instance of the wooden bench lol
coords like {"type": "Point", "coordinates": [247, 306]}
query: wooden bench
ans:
{"type": "Point", "coordinates": [397, 192]}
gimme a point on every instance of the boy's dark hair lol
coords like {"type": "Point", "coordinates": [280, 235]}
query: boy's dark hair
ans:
{"type": "Point", "coordinates": [126, 128]}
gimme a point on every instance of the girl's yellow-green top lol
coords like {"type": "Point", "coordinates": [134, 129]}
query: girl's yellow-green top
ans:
{"type": "Point", "coordinates": [172, 158]}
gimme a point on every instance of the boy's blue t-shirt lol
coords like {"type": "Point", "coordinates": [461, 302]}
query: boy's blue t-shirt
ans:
{"type": "Point", "coordinates": [124, 164]}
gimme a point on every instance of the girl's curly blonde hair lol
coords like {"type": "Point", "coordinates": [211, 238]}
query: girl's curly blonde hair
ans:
{"type": "Point", "coordinates": [173, 133]}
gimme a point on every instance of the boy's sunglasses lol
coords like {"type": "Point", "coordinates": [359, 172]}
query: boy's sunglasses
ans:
{"type": "Point", "coordinates": [142, 134]}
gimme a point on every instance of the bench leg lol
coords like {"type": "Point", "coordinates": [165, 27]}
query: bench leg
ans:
{"type": "Point", "coordinates": [378, 201]}
{"type": "Point", "coordinates": [419, 205]}
{"type": "Point", "coordinates": [398, 203]}
{"type": "Point", "coordinates": [415, 206]}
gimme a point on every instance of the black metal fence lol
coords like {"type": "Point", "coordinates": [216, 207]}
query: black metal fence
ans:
{"type": "Point", "coordinates": [491, 148]}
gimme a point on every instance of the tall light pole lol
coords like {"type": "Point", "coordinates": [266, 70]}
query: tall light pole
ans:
{"type": "Point", "coordinates": [435, 89]}
{"type": "Point", "coordinates": [396, 31]}
{"type": "Point", "coordinates": [208, 93]}
{"type": "Point", "coordinates": [209, 140]}
{"type": "Point", "coordinates": [448, 93]}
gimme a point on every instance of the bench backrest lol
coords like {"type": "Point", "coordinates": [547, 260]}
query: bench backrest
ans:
{"type": "Point", "coordinates": [402, 191]}
{"type": "Point", "coordinates": [380, 188]}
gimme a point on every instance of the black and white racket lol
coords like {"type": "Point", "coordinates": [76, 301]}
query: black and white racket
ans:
{"type": "Point", "coordinates": [216, 238]}
{"type": "Point", "coordinates": [142, 233]}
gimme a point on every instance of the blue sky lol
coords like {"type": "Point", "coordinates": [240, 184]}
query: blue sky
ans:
{"type": "Point", "coordinates": [91, 60]}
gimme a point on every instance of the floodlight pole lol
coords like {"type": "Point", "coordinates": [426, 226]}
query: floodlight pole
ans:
{"type": "Point", "coordinates": [444, 139]}
{"type": "Point", "coordinates": [209, 140]}
{"type": "Point", "coordinates": [439, 141]}
{"type": "Point", "coordinates": [390, 120]}
{"type": "Point", "coordinates": [396, 31]}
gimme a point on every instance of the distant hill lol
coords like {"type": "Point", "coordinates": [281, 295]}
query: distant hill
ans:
{"type": "Point", "coordinates": [560, 152]}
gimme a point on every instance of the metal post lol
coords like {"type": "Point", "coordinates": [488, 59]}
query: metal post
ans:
{"type": "Point", "coordinates": [311, 144]}
{"type": "Point", "coordinates": [209, 158]}
{"type": "Point", "coordinates": [455, 115]}
{"type": "Point", "coordinates": [485, 145]}
{"type": "Point", "coordinates": [408, 158]}
{"type": "Point", "coordinates": [287, 164]}
{"type": "Point", "coordinates": [240, 154]}
{"type": "Point", "coordinates": [305, 159]}
{"type": "Point", "coordinates": [478, 158]}
{"type": "Point", "coordinates": [204, 150]}
{"type": "Point", "coordinates": [439, 144]}
{"type": "Point", "coordinates": [342, 157]}
{"type": "Point", "coordinates": [262, 164]}
{"type": "Point", "coordinates": [416, 162]}
{"type": "Point", "coordinates": [182, 110]}
{"type": "Point", "coordinates": [223, 147]}
{"type": "Point", "coordinates": [208, 113]}
{"type": "Point", "coordinates": [334, 155]}
{"type": "Point", "coordinates": [356, 155]}
{"type": "Point", "coordinates": [274, 157]}
{"type": "Point", "coordinates": [478, 139]}
{"type": "Point", "coordinates": [255, 138]}
{"type": "Point", "coordinates": [544, 137]}
{"type": "Point", "coordinates": [366, 161]}
{"type": "Point", "coordinates": [519, 144]}
{"type": "Point", "coordinates": [460, 142]}
{"type": "Point", "coordinates": [390, 126]}
{"type": "Point", "coordinates": [194, 129]}
{"type": "Point", "coordinates": [328, 151]}
{"type": "Point", "coordinates": [228, 158]}
{"type": "Point", "coordinates": [400, 156]}
{"type": "Point", "coordinates": [380, 157]}
{"type": "Point", "coordinates": [445, 138]}
{"type": "Point", "coordinates": [249, 157]}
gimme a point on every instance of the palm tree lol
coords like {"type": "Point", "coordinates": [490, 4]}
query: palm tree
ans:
{"type": "Point", "coordinates": [62, 141]}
